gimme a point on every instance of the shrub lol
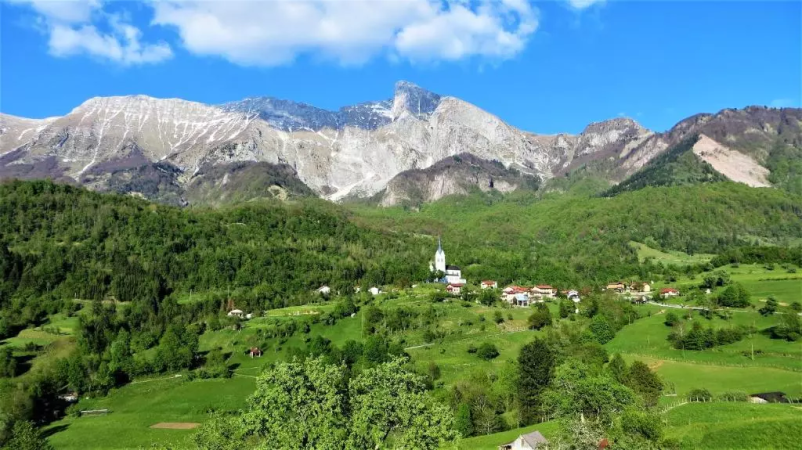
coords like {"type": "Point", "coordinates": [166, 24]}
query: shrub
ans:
{"type": "Point", "coordinates": [487, 351]}
{"type": "Point", "coordinates": [498, 317]}
{"type": "Point", "coordinates": [735, 396]}
{"type": "Point", "coordinates": [472, 348]}
{"type": "Point", "coordinates": [671, 319]}
{"type": "Point", "coordinates": [700, 395]}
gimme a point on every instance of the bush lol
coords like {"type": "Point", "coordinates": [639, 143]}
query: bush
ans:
{"type": "Point", "coordinates": [671, 319]}
{"type": "Point", "coordinates": [472, 348]}
{"type": "Point", "coordinates": [498, 317]}
{"type": "Point", "coordinates": [736, 396]}
{"type": "Point", "coordinates": [487, 351]}
{"type": "Point", "coordinates": [540, 318]}
{"type": "Point", "coordinates": [700, 395]}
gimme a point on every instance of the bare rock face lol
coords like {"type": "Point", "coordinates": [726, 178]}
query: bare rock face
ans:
{"type": "Point", "coordinates": [352, 152]}
{"type": "Point", "coordinates": [457, 174]}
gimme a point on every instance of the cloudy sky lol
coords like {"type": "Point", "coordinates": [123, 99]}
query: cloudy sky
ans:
{"type": "Point", "coordinates": [542, 66]}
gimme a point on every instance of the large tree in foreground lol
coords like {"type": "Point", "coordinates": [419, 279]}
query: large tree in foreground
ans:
{"type": "Point", "coordinates": [311, 404]}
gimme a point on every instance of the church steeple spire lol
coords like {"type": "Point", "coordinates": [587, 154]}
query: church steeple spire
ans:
{"type": "Point", "coordinates": [439, 245]}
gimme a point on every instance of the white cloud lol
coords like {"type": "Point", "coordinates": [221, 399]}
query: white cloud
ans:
{"type": "Point", "coordinates": [72, 29]}
{"type": "Point", "coordinates": [268, 33]}
{"type": "Point", "coordinates": [582, 4]}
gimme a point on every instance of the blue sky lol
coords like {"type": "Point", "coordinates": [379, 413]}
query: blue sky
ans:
{"type": "Point", "coordinates": [545, 67]}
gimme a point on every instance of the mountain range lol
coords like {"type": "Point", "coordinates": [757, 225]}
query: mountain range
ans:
{"type": "Point", "coordinates": [416, 146]}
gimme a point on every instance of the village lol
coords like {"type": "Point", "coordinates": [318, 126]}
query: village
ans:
{"type": "Point", "coordinates": [521, 296]}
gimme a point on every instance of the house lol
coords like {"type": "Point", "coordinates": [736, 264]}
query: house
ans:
{"type": "Point", "coordinates": [374, 291]}
{"type": "Point", "coordinates": [668, 292]}
{"type": "Point", "coordinates": [255, 351]}
{"type": "Point", "coordinates": [489, 284]}
{"type": "Point", "coordinates": [528, 441]}
{"type": "Point", "coordinates": [521, 299]}
{"type": "Point", "coordinates": [543, 290]}
{"type": "Point", "coordinates": [454, 289]}
{"type": "Point", "coordinates": [509, 293]}
{"type": "Point", "coordinates": [324, 290]}
{"type": "Point", "coordinates": [454, 275]}
{"type": "Point", "coordinates": [617, 287]}
{"type": "Point", "coordinates": [235, 313]}
{"type": "Point", "coordinates": [640, 287]}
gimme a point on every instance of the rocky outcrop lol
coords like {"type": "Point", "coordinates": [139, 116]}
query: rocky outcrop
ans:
{"type": "Point", "coordinates": [459, 174]}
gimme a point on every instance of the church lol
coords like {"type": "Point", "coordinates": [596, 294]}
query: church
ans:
{"type": "Point", "coordinates": [453, 274]}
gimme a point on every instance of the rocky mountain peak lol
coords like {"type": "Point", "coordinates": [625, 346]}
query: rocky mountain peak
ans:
{"type": "Point", "coordinates": [413, 99]}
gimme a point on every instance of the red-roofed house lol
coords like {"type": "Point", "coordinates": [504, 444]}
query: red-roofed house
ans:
{"type": "Point", "coordinates": [489, 284]}
{"type": "Point", "coordinates": [668, 292]}
{"type": "Point", "coordinates": [543, 290]}
{"type": "Point", "coordinates": [510, 292]}
{"type": "Point", "coordinates": [454, 288]}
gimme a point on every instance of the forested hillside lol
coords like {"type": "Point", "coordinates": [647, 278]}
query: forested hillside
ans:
{"type": "Point", "coordinates": [575, 239]}
{"type": "Point", "coordinates": [67, 242]}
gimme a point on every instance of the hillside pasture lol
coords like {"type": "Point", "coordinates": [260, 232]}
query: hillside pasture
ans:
{"type": "Point", "coordinates": [735, 426]}
{"type": "Point", "coordinates": [136, 407]}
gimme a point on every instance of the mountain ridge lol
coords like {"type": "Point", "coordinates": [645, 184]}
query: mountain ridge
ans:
{"type": "Point", "coordinates": [357, 150]}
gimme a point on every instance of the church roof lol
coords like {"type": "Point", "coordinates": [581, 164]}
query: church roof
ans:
{"type": "Point", "coordinates": [452, 267]}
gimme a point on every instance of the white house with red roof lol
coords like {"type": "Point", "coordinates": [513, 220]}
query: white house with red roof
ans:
{"type": "Point", "coordinates": [455, 288]}
{"type": "Point", "coordinates": [543, 291]}
{"type": "Point", "coordinates": [668, 292]}
{"type": "Point", "coordinates": [489, 284]}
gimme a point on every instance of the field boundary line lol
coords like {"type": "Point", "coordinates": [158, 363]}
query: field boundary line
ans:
{"type": "Point", "coordinates": [708, 363]}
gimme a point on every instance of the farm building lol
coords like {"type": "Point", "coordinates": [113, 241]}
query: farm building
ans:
{"type": "Point", "coordinates": [255, 351]}
{"type": "Point", "coordinates": [235, 313]}
{"type": "Point", "coordinates": [617, 287]}
{"type": "Point", "coordinates": [528, 441]}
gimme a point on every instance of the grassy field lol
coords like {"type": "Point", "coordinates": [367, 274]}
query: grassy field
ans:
{"type": "Point", "coordinates": [670, 257]}
{"type": "Point", "coordinates": [134, 408]}
{"type": "Point", "coordinates": [735, 426]}
{"type": "Point", "coordinates": [492, 441]}
{"type": "Point", "coordinates": [648, 337]}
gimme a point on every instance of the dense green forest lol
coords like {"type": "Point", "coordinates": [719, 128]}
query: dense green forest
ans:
{"type": "Point", "coordinates": [62, 242]}
{"type": "Point", "coordinates": [571, 239]}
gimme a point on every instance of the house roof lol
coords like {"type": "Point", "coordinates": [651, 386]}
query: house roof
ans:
{"type": "Point", "coordinates": [452, 268]}
{"type": "Point", "coordinates": [534, 439]}
{"type": "Point", "coordinates": [544, 286]}
{"type": "Point", "coordinates": [667, 290]}
{"type": "Point", "coordinates": [522, 296]}
{"type": "Point", "coordinates": [455, 285]}
{"type": "Point", "coordinates": [488, 282]}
